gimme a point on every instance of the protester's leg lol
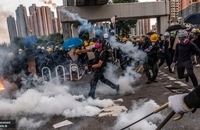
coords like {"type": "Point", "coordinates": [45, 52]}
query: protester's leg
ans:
{"type": "Point", "coordinates": [168, 61]}
{"type": "Point", "coordinates": [192, 76]}
{"type": "Point", "coordinates": [162, 60]}
{"type": "Point", "coordinates": [93, 84]}
{"type": "Point", "coordinates": [108, 82]}
{"type": "Point", "coordinates": [181, 70]}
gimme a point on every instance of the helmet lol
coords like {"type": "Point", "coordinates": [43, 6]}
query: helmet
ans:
{"type": "Point", "coordinates": [105, 36]}
{"type": "Point", "coordinates": [182, 33]}
{"type": "Point", "coordinates": [38, 47]}
{"type": "Point", "coordinates": [166, 34]}
{"type": "Point", "coordinates": [195, 30]}
{"type": "Point", "coordinates": [124, 39]}
{"type": "Point", "coordinates": [86, 43]}
{"type": "Point", "coordinates": [42, 47]}
{"type": "Point", "coordinates": [154, 37]}
{"type": "Point", "coordinates": [20, 50]}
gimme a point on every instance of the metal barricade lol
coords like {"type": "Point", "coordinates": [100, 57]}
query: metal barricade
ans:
{"type": "Point", "coordinates": [63, 70]}
{"type": "Point", "coordinates": [73, 68]}
{"type": "Point", "coordinates": [49, 72]}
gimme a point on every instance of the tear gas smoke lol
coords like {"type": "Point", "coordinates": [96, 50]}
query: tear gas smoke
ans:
{"type": "Point", "coordinates": [28, 123]}
{"type": "Point", "coordinates": [50, 100]}
{"type": "Point", "coordinates": [139, 110]}
{"type": "Point", "coordinates": [85, 25]}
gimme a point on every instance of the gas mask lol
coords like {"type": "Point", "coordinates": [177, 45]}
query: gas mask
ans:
{"type": "Point", "coordinates": [184, 41]}
{"type": "Point", "coordinates": [97, 45]}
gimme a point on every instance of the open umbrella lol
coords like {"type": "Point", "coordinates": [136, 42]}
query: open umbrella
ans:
{"type": "Point", "coordinates": [72, 43]}
{"type": "Point", "coordinates": [193, 18]}
{"type": "Point", "coordinates": [175, 27]}
{"type": "Point", "coordinates": [30, 41]}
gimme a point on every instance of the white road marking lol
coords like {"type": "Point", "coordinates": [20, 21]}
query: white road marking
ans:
{"type": "Point", "coordinates": [61, 124]}
{"type": "Point", "coordinates": [180, 83]}
{"type": "Point", "coordinates": [170, 78]}
{"type": "Point", "coordinates": [165, 74]}
{"type": "Point", "coordinates": [113, 111]}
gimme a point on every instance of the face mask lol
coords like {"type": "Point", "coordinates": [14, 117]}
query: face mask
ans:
{"type": "Point", "coordinates": [184, 41]}
{"type": "Point", "coordinates": [97, 45]}
{"type": "Point", "coordinates": [153, 43]}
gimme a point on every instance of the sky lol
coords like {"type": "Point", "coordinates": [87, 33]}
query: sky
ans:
{"type": "Point", "coordinates": [8, 8]}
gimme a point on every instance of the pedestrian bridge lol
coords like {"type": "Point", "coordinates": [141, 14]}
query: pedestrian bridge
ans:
{"type": "Point", "coordinates": [124, 11]}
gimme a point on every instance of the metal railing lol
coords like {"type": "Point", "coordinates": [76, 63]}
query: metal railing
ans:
{"type": "Point", "coordinates": [49, 72]}
{"type": "Point", "coordinates": [63, 72]}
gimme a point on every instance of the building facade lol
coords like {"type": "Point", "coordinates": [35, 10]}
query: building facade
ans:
{"type": "Point", "coordinates": [11, 28]}
{"type": "Point", "coordinates": [22, 21]}
{"type": "Point", "coordinates": [187, 7]}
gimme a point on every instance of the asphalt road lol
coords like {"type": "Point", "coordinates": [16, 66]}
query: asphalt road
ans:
{"type": "Point", "coordinates": [168, 84]}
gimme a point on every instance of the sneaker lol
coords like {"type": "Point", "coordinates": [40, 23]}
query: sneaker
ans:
{"type": "Point", "coordinates": [148, 82]}
{"type": "Point", "coordinates": [198, 65]}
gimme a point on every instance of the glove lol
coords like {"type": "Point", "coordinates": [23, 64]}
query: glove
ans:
{"type": "Point", "coordinates": [177, 104]}
{"type": "Point", "coordinates": [173, 65]}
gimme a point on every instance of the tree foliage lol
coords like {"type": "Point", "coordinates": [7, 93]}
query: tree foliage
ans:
{"type": "Point", "coordinates": [125, 26]}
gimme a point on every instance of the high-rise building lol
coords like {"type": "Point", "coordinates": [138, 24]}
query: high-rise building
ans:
{"type": "Point", "coordinates": [55, 25]}
{"type": "Point", "coordinates": [32, 8]}
{"type": "Point", "coordinates": [174, 9]}
{"type": "Point", "coordinates": [22, 21]}
{"type": "Point", "coordinates": [59, 19]}
{"type": "Point", "coordinates": [187, 7]}
{"type": "Point", "coordinates": [11, 28]}
{"type": "Point", "coordinates": [40, 22]}
{"type": "Point", "coordinates": [49, 20]}
{"type": "Point", "coordinates": [44, 20]}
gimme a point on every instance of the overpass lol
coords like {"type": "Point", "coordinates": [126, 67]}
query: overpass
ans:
{"type": "Point", "coordinates": [124, 11]}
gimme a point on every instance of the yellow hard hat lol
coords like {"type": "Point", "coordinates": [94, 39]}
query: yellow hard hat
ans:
{"type": "Point", "coordinates": [124, 39]}
{"type": "Point", "coordinates": [86, 43]}
{"type": "Point", "coordinates": [91, 43]}
{"type": "Point", "coordinates": [49, 49]}
{"type": "Point", "coordinates": [141, 39]}
{"type": "Point", "coordinates": [154, 37]}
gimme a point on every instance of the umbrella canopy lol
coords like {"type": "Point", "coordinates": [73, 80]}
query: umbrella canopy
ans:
{"type": "Point", "coordinates": [175, 27]}
{"type": "Point", "coordinates": [72, 43]}
{"type": "Point", "coordinates": [193, 18]}
{"type": "Point", "coordinates": [30, 41]}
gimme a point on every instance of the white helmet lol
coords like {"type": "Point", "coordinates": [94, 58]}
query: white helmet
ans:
{"type": "Point", "coordinates": [105, 36]}
{"type": "Point", "coordinates": [38, 47]}
{"type": "Point", "coordinates": [166, 34]}
{"type": "Point", "coordinates": [182, 33]}
{"type": "Point", "coordinates": [42, 47]}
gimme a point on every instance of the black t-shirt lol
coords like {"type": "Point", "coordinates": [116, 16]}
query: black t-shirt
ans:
{"type": "Point", "coordinates": [100, 55]}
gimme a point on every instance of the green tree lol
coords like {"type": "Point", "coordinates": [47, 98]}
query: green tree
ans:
{"type": "Point", "coordinates": [18, 42]}
{"type": "Point", "coordinates": [124, 26]}
{"type": "Point", "coordinates": [57, 38]}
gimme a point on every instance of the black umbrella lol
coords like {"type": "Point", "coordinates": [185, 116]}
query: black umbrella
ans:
{"type": "Point", "coordinates": [193, 18]}
{"type": "Point", "coordinates": [175, 27]}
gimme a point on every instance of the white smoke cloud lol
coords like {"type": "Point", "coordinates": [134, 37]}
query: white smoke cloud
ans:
{"type": "Point", "coordinates": [29, 123]}
{"type": "Point", "coordinates": [138, 111]}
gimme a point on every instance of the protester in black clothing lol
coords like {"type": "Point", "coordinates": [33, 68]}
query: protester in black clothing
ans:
{"type": "Point", "coordinates": [98, 66]}
{"type": "Point", "coordinates": [182, 57]}
{"type": "Point", "coordinates": [151, 48]}
{"type": "Point", "coordinates": [164, 53]}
